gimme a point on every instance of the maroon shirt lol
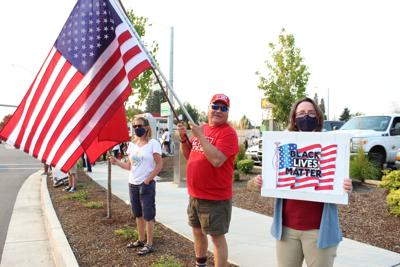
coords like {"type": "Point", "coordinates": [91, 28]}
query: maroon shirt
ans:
{"type": "Point", "coordinates": [302, 215]}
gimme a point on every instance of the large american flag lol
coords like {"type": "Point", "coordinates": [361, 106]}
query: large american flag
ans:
{"type": "Point", "coordinates": [83, 82]}
{"type": "Point", "coordinates": [326, 164]}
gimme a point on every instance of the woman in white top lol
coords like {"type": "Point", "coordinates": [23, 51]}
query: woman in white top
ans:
{"type": "Point", "coordinates": [144, 164]}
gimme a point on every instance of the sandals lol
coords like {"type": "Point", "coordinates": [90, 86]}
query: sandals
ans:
{"type": "Point", "coordinates": [146, 250]}
{"type": "Point", "coordinates": [136, 244]}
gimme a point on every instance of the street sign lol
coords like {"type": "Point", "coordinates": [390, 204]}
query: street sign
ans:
{"type": "Point", "coordinates": [265, 104]}
{"type": "Point", "coordinates": [165, 109]}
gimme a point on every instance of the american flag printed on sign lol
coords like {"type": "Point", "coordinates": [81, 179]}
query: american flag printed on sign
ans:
{"type": "Point", "coordinates": [320, 177]}
{"type": "Point", "coordinates": [84, 80]}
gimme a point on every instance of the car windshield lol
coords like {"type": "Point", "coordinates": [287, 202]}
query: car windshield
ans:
{"type": "Point", "coordinates": [377, 123]}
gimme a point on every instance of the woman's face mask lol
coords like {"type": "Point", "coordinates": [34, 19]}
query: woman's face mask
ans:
{"type": "Point", "coordinates": [140, 131]}
{"type": "Point", "coordinates": [306, 123]}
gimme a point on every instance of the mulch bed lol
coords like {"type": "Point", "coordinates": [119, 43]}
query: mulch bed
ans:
{"type": "Point", "coordinates": [92, 238]}
{"type": "Point", "coordinates": [365, 219]}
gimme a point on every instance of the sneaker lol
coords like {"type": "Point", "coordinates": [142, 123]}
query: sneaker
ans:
{"type": "Point", "coordinates": [72, 190]}
{"type": "Point", "coordinates": [136, 244]}
{"type": "Point", "coordinates": [58, 183]}
{"type": "Point", "coordinates": [67, 188]}
{"type": "Point", "coordinates": [146, 250]}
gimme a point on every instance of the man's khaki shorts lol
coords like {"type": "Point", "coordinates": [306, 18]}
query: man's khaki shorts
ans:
{"type": "Point", "coordinates": [212, 216]}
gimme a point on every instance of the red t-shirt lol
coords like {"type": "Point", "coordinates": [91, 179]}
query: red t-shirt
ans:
{"type": "Point", "coordinates": [302, 215]}
{"type": "Point", "coordinates": [205, 181]}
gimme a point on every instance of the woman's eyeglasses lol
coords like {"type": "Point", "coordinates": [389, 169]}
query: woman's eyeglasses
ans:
{"type": "Point", "coordinates": [302, 114]}
{"type": "Point", "coordinates": [222, 108]}
{"type": "Point", "coordinates": [137, 126]}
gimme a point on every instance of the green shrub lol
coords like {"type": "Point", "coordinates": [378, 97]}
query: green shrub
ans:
{"type": "Point", "coordinates": [236, 176]}
{"type": "Point", "coordinates": [391, 180]}
{"type": "Point", "coordinates": [93, 204]}
{"type": "Point", "coordinates": [240, 155]}
{"type": "Point", "coordinates": [127, 232]}
{"type": "Point", "coordinates": [168, 261]}
{"type": "Point", "coordinates": [81, 196]}
{"type": "Point", "coordinates": [245, 165]}
{"type": "Point", "coordinates": [361, 168]}
{"type": "Point", "coordinates": [393, 200]}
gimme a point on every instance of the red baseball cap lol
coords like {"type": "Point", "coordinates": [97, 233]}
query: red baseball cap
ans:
{"type": "Point", "coordinates": [220, 98]}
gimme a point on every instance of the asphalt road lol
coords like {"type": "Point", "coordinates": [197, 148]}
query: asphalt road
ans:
{"type": "Point", "coordinates": [15, 167]}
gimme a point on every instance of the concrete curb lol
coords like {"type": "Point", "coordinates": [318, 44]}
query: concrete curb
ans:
{"type": "Point", "coordinates": [60, 248]}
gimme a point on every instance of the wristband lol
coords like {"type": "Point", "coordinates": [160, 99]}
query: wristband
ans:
{"type": "Point", "coordinates": [184, 141]}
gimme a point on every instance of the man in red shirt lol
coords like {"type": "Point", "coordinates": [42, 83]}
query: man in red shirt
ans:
{"type": "Point", "coordinates": [210, 153]}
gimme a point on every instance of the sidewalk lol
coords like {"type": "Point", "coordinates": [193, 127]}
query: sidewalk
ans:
{"type": "Point", "coordinates": [249, 241]}
{"type": "Point", "coordinates": [35, 236]}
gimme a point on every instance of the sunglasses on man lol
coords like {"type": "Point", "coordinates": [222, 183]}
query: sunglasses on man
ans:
{"type": "Point", "coordinates": [219, 107]}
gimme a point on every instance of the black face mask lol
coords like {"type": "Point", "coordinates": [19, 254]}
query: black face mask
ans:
{"type": "Point", "coordinates": [140, 131]}
{"type": "Point", "coordinates": [306, 123]}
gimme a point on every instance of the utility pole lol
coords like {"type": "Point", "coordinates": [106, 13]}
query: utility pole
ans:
{"type": "Point", "coordinates": [328, 105]}
{"type": "Point", "coordinates": [171, 80]}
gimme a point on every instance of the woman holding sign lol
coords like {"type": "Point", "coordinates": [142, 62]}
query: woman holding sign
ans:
{"type": "Point", "coordinates": [306, 229]}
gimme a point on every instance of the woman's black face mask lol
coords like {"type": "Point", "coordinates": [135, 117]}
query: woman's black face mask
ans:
{"type": "Point", "coordinates": [306, 123]}
{"type": "Point", "coordinates": [140, 131]}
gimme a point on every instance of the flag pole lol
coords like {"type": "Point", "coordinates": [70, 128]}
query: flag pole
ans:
{"type": "Point", "coordinates": [155, 66]}
{"type": "Point", "coordinates": [165, 95]}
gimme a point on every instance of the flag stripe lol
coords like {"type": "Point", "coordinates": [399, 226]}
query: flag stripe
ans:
{"type": "Point", "coordinates": [43, 104]}
{"type": "Point", "coordinates": [41, 93]}
{"type": "Point", "coordinates": [48, 128]}
{"type": "Point", "coordinates": [19, 129]}
{"type": "Point", "coordinates": [27, 125]}
{"type": "Point", "coordinates": [53, 106]}
{"type": "Point", "coordinates": [311, 147]}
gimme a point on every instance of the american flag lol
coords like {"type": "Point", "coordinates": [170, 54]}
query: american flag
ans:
{"type": "Point", "coordinates": [83, 82]}
{"type": "Point", "coordinates": [287, 153]}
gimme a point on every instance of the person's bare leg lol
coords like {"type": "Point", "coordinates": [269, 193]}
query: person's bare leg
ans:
{"type": "Point", "coordinates": [140, 228]}
{"type": "Point", "coordinates": [150, 231]}
{"type": "Point", "coordinates": [220, 250]}
{"type": "Point", "coordinates": [200, 242]}
{"type": "Point", "coordinates": [74, 178]}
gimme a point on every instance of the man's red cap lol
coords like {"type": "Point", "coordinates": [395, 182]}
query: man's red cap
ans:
{"type": "Point", "coordinates": [220, 98]}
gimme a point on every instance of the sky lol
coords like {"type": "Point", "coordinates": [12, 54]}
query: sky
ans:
{"type": "Point", "coordinates": [350, 47]}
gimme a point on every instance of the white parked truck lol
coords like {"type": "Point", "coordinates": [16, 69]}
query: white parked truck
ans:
{"type": "Point", "coordinates": [378, 135]}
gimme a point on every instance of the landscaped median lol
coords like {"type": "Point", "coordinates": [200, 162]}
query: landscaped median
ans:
{"type": "Point", "coordinates": [98, 241]}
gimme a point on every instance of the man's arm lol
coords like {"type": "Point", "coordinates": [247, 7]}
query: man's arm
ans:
{"type": "Point", "coordinates": [212, 154]}
{"type": "Point", "coordinates": [185, 142]}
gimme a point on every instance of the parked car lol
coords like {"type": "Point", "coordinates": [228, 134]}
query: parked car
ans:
{"type": "Point", "coordinates": [332, 125]}
{"type": "Point", "coordinates": [379, 137]}
{"type": "Point", "coordinates": [397, 162]}
{"type": "Point", "coordinates": [255, 152]}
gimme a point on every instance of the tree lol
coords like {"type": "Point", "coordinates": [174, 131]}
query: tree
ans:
{"type": "Point", "coordinates": [142, 84]}
{"type": "Point", "coordinates": [322, 107]}
{"type": "Point", "coordinates": [244, 123]}
{"type": "Point", "coordinates": [153, 102]}
{"type": "Point", "coordinates": [131, 111]}
{"type": "Point", "coordinates": [287, 78]}
{"type": "Point", "coordinates": [316, 99]}
{"type": "Point", "coordinates": [320, 104]}
{"type": "Point", "coordinates": [196, 115]}
{"type": "Point", "coordinates": [345, 116]}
